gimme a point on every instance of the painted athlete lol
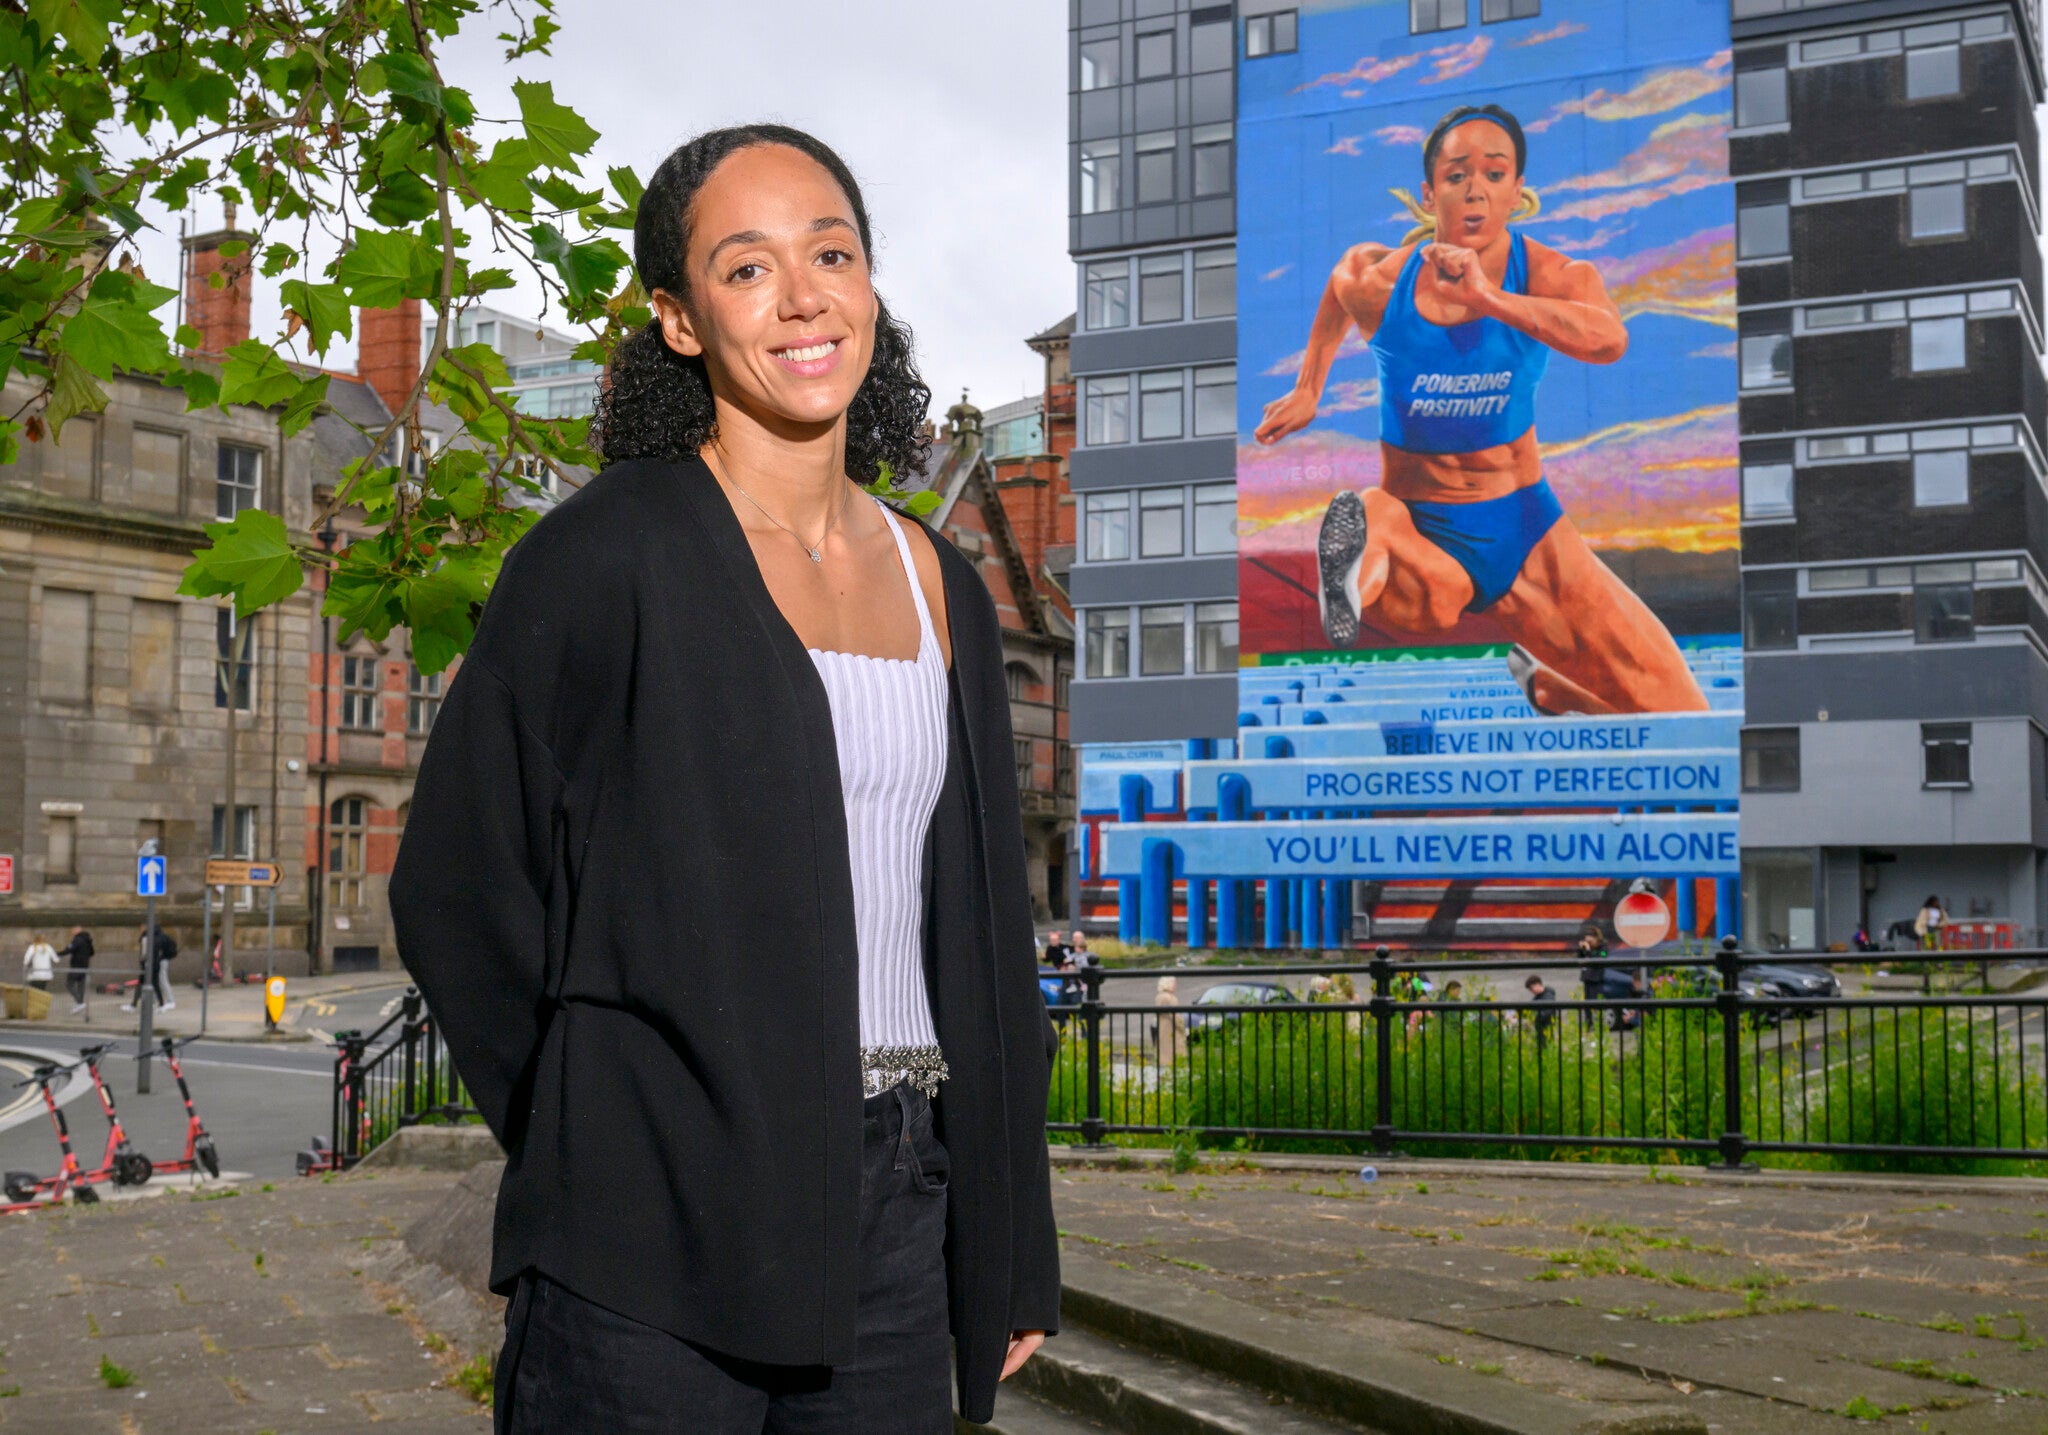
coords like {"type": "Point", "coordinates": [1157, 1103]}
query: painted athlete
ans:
{"type": "Point", "coordinates": [1462, 320]}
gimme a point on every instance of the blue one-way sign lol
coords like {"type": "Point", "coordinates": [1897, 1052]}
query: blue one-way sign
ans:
{"type": "Point", "coordinates": [149, 876]}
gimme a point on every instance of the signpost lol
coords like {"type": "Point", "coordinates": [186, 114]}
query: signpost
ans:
{"type": "Point", "coordinates": [151, 870]}
{"type": "Point", "coordinates": [1641, 919]}
{"type": "Point", "coordinates": [228, 872]}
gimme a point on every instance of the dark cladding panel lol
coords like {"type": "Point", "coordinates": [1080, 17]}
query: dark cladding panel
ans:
{"type": "Point", "coordinates": [1865, 510]}
{"type": "Point", "coordinates": [1863, 378]}
{"type": "Point", "coordinates": [1858, 613]}
{"type": "Point", "coordinates": [1848, 112]}
{"type": "Point", "coordinates": [1763, 283]}
{"type": "Point", "coordinates": [1770, 543]}
{"type": "Point", "coordinates": [1861, 246]}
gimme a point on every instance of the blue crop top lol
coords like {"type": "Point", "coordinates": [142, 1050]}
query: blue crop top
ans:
{"type": "Point", "coordinates": [1456, 388]}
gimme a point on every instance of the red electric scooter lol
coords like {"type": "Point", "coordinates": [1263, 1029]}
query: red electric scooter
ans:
{"type": "Point", "coordinates": [25, 1190]}
{"type": "Point", "coordinates": [199, 1153]}
{"type": "Point", "coordinates": [120, 1163]}
{"type": "Point", "coordinates": [320, 1158]}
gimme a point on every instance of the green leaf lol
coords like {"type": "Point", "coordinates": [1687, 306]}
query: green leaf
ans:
{"type": "Point", "coordinates": [114, 328]}
{"type": "Point", "coordinates": [557, 132]}
{"type": "Point", "coordinates": [277, 258]}
{"type": "Point", "coordinates": [587, 269]}
{"type": "Point", "coordinates": [501, 181]}
{"type": "Point", "coordinates": [626, 184]}
{"type": "Point", "coordinates": [251, 558]}
{"type": "Point", "coordinates": [921, 503]}
{"type": "Point", "coordinates": [72, 391]}
{"type": "Point", "coordinates": [562, 194]}
{"type": "Point", "coordinates": [304, 404]}
{"type": "Point", "coordinates": [202, 389]}
{"type": "Point", "coordinates": [174, 190]}
{"type": "Point", "coordinates": [324, 308]}
{"type": "Point", "coordinates": [386, 266]}
{"type": "Point", "coordinates": [402, 198]}
{"type": "Point", "coordinates": [81, 25]}
{"type": "Point", "coordinates": [255, 374]}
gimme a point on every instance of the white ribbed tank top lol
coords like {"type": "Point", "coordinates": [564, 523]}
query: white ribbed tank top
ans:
{"type": "Point", "coordinates": [889, 721]}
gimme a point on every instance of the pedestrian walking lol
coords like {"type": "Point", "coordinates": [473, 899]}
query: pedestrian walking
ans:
{"type": "Point", "coordinates": [766, 1187]}
{"type": "Point", "coordinates": [1539, 991]}
{"type": "Point", "coordinates": [79, 951]}
{"type": "Point", "coordinates": [156, 962]}
{"type": "Point", "coordinates": [1928, 924]}
{"type": "Point", "coordinates": [38, 963]}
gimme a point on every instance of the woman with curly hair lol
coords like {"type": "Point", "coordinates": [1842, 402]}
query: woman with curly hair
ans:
{"type": "Point", "coordinates": [714, 875]}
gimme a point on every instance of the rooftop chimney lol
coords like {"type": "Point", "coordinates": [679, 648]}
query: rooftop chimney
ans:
{"type": "Point", "coordinates": [220, 314]}
{"type": "Point", "coordinates": [388, 351]}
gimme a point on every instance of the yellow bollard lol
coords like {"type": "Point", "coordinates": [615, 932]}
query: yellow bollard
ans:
{"type": "Point", "coordinates": [273, 1000]}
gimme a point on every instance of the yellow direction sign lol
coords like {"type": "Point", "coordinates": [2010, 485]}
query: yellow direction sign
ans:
{"type": "Point", "coordinates": [223, 873]}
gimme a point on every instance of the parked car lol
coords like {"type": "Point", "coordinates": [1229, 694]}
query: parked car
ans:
{"type": "Point", "coordinates": [1235, 994]}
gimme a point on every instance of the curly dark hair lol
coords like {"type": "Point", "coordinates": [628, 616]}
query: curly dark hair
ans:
{"type": "Point", "coordinates": [656, 403]}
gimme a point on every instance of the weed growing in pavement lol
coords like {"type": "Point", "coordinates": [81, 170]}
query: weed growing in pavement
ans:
{"type": "Point", "coordinates": [1927, 1370]}
{"type": "Point", "coordinates": [115, 1377]}
{"type": "Point", "coordinates": [1487, 1367]}
{"type": "Point", "coordinates": [1862, 1408]}
{"type": "Point", "coordinates": [1160, 1186]}
{"type": "Point", "coordinates": [9, 1390]}
{"type": "Point", "coordinates": [476, 1380]}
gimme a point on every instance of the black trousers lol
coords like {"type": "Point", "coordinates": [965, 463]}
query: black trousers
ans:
{"type": "Point", "coordinates": [569, 1365]}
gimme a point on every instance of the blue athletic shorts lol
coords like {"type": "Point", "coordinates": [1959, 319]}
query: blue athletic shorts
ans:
{"type": "Point", "coordinates": [1491, 539]}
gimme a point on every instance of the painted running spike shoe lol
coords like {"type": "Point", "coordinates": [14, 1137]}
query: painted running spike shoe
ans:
{"type": "Point", "coordinates": [1523, 666]}
{"type": "Point", "coordinates": [1340, 547]}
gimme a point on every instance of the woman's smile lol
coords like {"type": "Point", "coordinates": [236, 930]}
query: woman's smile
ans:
{"type": "Point", "coordinates": [809, 358]}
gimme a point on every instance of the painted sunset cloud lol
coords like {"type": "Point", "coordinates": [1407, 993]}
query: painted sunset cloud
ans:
{"type": "Point", "coordinates": [1692, 278]}
{"type": "Point", "coordinates": [1657, 94]}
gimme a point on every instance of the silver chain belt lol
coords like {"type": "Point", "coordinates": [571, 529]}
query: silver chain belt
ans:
{"type": "Point", "coordinates": [881, 1067]}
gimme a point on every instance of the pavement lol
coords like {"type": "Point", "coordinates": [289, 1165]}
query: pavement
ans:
{"type": "Point", "coordinates": [233, 1312]}
{"type": "Point", "coordinates": [315, 1008]}
{"type": "Point", "coordinates": [1511, 1297]}
{"type": "Point", "coordinates": [1769, 1303]}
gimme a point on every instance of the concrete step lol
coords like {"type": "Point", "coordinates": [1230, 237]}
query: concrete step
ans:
{"type": "Point", "coordinates": [1018, 1412]}
{"type": "Point", "coordinates": [1132, 1390]}
{"type": "Point", "coordinates": [1319, 1371]}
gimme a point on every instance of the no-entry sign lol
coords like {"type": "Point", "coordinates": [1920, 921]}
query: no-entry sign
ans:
{"type": "Point", "coordinates": [1641, 919]}
{"type": "Point", "coordinates": [6, 874]}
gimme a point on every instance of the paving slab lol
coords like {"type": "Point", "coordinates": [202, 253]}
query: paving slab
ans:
{"type": "Point", "coordinates": [212, 1338]}
{"type": "Point", "coordinates": [1777, 1305]}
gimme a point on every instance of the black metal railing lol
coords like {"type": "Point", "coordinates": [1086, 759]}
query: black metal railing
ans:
{"type": "Point", "coordinates": [396, 1076]}
{"type": "Point", "coordinates": [1709, 1059]}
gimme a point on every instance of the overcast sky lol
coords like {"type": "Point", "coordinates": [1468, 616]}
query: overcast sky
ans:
{"type": "Point", "coordinates": [952, 116]}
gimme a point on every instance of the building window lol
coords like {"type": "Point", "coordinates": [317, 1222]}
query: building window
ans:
{"type": "Point", "coordinates": [1934, 73]}
{"type": "Point", "coordinates": [1216, 637]}
{"type": "Point", "coordinates": [1770, 611]}
{"type": "Point", "coordinates": [1160, 282]}
{"type": "Point", "coordinates": [1100, 64]}
{"type": "Point", "coordinates": [1106, 527]}
{"type": "Point", "coordinates": [1062, 686]}
{"type": "Point", "coordinates": [1215, 400]}
{"type": "Point", "coordinates": [238, 480]}
{"type": "Point", "coordinates": [1767, 490]}
{"type": "Point", "coordinates": [1162, 401]}
{"type": "Point", "coordinates": [1213, 169]}
{"type": "Point", "coordinates": [60, 848]}
{"type": "Point", "coordinates": [359, 694]}
{"type": "Point", "coordinates": [1940, 344]}
{"type": "Point", "coordinates": [156, 476]}
{"type": "Point", "coordinates": [1215, 283]}
{"type": "Point", "coordinates": [1063, 768]}
{"type": "Point", "coordinates": [1944, 754]}
{"type": "Point", "coordinates": [1941, 479]}
{"type": "Point", "coordinates": [1766, 360]}
{"type": "Point", "coordinates": [348, 832]}
{"type": "Point", "coordinates": [1102, 169]}
{"type": "Point", "coordinates": [1944, 612]}
{"type": "Point", "coordinates": [1159, 523]}
{"type": "Point", "coordinates": [1209, 46]}
{"type": "Point", "coordinates": [1216, 518]}
{"type": "Point", "coordinates": [225, 629]}
{"type": "Point", "coordinates": [1270, 34]}
{"type": "Point", "coordinates": [1162, 640]}
{"type": "Point", "coordinates": [152, 654]}
{"type": "Point", "coordinates": [1763, 231]}
{"type": "Point", "coordinates": [1108, 634]}
{"type": "Point", "coordinates": [423, 701]}
{"type": "Point", "coordinates": [1027, 763]}
{"type": "Point", "coordinates": [1155, 55]}
{"type": "Point", "coordinates": [1935, 211]}
{"type": "Point", "coordinates": [245, 844]}
{"type": "Point", "coordinates": [1426, 17]}
{"type": "Point", "coordinates": [1770, 759]}
{"type": "Point", "coordinates": [1155, 168]}
{"type": "Point", "coordinates": [65, 647]}
{"type": "Point", "coordinates": [1107, 410]}
{"type": "Point", "coordinates": [1493, 11]}
{"type": "Point", "coordinates": [1759, 98]}
{"type": "Point", "coordinates": [1106, 294]}
{"type": "Point", "coordinates": [1017, 681]}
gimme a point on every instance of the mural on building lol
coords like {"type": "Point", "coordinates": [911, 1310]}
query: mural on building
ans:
{"type": "Point", "coordinates": [1489, 411]}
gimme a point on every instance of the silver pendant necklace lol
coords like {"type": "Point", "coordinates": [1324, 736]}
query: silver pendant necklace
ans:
{"type": "Point", "coordinates": [817, 554]}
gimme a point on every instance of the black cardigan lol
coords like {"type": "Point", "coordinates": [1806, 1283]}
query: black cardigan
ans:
{"type": "Point", "coordinates": [624, 890]}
